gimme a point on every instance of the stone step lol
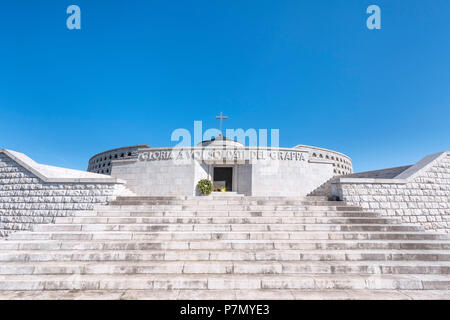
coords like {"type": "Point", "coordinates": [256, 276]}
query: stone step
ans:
{"type": "Point", "coordinates": [227, 193]}
{"type": "Point", "coordinates": [225, 220]}
{"type": "Point", "coordinates": [231, 255]}
{"type": "Point", "coordinates": [227, 202]}
{"type": "Point", "coordinates": [224, 227]}
{"type": "Point", "coordinates": [224, 242]}
{"type": "Point", "coordinates": [314, 198]}
{"type": "Point", "coordinates": [225, 267]}
{"type": "Point", "coordinates": [259, 295]}
{"type": "Point", "coordinates": [223, 282]}
{"type": "Point", "coordinates": [231, 235]}
{"type": "Point", "coordinates": [225, 245]}
{"type": "Point", "coordinates": [210, 214]}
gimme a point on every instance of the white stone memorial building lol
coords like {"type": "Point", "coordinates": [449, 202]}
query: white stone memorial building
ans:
{"type": "Point", "coordinates": [250, 171]}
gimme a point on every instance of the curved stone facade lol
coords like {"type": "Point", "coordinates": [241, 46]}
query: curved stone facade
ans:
{"type": "Point", "coordinates": [417, 194]}
{"type": "Point", "coordinates": [342, 164]}
{"type": "Point", "coordinates": [102, 162]}
{"type": "Point", "coordinates": [251, 170]}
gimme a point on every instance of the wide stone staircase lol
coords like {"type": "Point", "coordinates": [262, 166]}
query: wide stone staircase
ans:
{"type": "Point", "coordinates": [225, 247]}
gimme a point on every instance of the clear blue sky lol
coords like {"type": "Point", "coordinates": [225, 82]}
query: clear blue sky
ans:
{"type": "Point", "coordinates": [137, 70]}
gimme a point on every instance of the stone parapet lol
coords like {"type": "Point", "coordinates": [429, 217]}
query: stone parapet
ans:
{"type": "Point", "coordinates": [419, 194]}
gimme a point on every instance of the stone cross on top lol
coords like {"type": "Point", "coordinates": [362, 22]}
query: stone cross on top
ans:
{"type": "Point", "coordinates": [221, 117]}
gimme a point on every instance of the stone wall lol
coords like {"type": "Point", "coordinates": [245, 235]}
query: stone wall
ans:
{"type": "Point", "coordinates": [244, 179]}
{"type": "Point", "coordinates": [159, 178]}
{"type": "Point", "coordinates": [341, 163]}
{"type": "Point", "coordinates": [419, 194]}
{"type": "Point", "coordinates": [31, 193]}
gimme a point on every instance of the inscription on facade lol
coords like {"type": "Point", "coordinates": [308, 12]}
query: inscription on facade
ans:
{"type": "Point", "coordinates": [222, 154]}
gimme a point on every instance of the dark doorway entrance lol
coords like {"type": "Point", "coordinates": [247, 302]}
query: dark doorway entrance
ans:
{"type": "Point", "coordinates": [223, 175]}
